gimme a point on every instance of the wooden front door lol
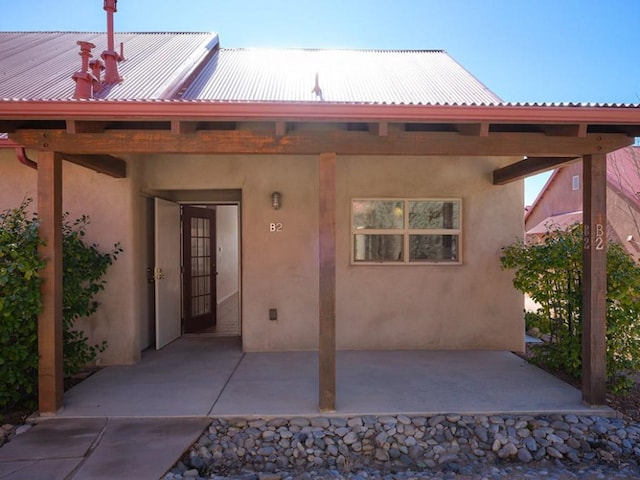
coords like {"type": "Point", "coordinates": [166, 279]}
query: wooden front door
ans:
{"type": "Point", "coordinates": [199, 263]}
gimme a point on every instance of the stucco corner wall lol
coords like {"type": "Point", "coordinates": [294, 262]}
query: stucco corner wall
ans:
{"type": "Point", "coordinates": [108, 204]}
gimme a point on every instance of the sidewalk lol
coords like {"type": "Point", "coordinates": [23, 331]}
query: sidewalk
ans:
{"type": "Point", "coordinates": [98, 448]}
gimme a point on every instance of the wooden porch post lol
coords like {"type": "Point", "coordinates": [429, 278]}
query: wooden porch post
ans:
{"type": "Point", "coordinates": [50, 384]}
{"type": "Point", "coordinates": [594, 279]}
{"type": "Point", "coordinates": [327, 268]}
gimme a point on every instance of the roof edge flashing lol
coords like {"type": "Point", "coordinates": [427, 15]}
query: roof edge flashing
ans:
{"type": "Point", "coordinates": [189, 67]}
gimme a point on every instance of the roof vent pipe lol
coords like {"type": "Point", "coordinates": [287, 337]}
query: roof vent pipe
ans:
{"type": "Point", "coordinates": [110, 56]}
{"type": "Point", "coordinates": [84, 78]}
{"type": "Point", "coordinates": [96, 68]}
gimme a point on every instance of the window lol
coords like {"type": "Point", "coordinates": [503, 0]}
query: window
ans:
{"type": "Point", "coordinates": [575, 182]}
{"type": "Point", "coordinates": [406, 231]}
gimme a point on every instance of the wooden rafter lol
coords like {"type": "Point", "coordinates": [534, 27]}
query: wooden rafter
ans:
{"type": "Point", "coordinates": [381, 129]}
{"type": "Point", "coordinates": [528, 166]}
{"type": "Point", "coordinates": [314, 142]}
{"type": "Point", "coordinates": [76, 126]}
{"type": "Point", "coordinates": [281, 128]}
{"type": "Point", "coordinates": [179, 127]}
{"type": "Point", "coordinates": [473, 129]}
{"type": "Point", "coordinates": [578, 130]}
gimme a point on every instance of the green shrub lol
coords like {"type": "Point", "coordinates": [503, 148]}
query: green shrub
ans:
{"type": "Point", "coordinates": [83, 268]}
{"type": "Point", "coordinates": [551, 273]}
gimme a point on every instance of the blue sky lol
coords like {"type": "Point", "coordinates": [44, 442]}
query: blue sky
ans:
{"type": "Point", "coordinates": [523, 50]}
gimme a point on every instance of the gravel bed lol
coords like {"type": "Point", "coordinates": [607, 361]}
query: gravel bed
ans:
{"type": "Point", "coordinates": [414, 447]}
{"type": "Point", "coordinates": [9, 431]}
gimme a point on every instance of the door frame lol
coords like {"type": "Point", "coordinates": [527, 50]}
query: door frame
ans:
{"type": "Point", "coordinates": [209, 197]}
{"type": "Point", "coordinates": [191, 323]}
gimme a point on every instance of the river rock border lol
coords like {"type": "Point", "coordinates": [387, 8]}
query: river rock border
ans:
{"type": "Point", "coordinates": [392, 443]}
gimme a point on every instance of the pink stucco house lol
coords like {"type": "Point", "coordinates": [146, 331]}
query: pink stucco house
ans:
{"type": "Point", "coordinates": [340, 199]}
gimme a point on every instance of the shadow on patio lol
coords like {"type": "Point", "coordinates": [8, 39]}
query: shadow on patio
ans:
{"type": "Point", "coordinates": [205, 376]}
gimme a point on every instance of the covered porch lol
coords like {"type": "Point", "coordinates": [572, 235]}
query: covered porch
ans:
{"type": "Point", "coordinates": [198, 376]}
{"type": "Point", "coordinates": [543, 137]}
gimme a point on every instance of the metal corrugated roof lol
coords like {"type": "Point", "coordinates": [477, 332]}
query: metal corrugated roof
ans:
{"type": "Point", "coordinates": [39, 65]}
{"type": "Point", "coordinates": [343, 76]}
{"type": "Point", "coordinates": [556, 222]}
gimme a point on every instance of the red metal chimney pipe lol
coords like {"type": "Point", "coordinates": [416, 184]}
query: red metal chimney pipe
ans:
{"type": "Point", "coordinates": [96, 68]}
{"type": "Point", "coordinates": [110, 56]}
{"type": "Point", "coordinates": [84, 78]}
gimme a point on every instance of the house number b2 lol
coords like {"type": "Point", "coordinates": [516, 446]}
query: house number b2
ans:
{"type": "Point", "coordinates": [598, 239]}
{"type": "Point", "coordinates": [275, 227]}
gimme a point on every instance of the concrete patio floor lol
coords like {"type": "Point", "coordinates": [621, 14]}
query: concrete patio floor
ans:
{"type": "Point", "coordinates": [199, 376]}
{"type": "Point", "coordinates": [112, 422]}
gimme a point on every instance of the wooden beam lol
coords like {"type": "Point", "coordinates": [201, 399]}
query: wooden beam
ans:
{"type": "Point", "coordinates": [473, 129]}
{"type": "Point", "coordinates": [327, 269]}
{"type": "Point", "coordinates": [578, 130]}
{"type": "Point", "coordinates": [179, 127]}
{"type": "Point", "coordinates": [594, 279]}
{"type": "Point", "coordinates": [528, 166]}
{"type": "Point", "coordinates": [50, 373]}
{"type": "Point", "coordinates": [315, 142]}
{"type": "Point", "coordinates": [78, 126]}
{"type": "Point", "coordinates": [111, 166]}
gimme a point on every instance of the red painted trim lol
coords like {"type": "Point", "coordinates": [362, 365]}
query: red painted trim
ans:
{"type": "Point", "coordinates": [21, 154]}
{"type": "Point", "coordinates": [196, 110]}
{"type": "Point", "coordinates": [6, 143]}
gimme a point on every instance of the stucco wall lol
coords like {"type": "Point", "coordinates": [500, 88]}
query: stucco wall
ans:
{"type": "Point", "coordinates": [110, 205]}
{"type": "Point", "coordinates": [279, 270]}
{"type": "Point", "coordinates": [472, 305]}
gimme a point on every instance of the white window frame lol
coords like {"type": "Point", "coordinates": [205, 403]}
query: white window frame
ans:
{"type": "Point", "coordinates": [406, 232]}
{"type": "Point", "coordinates": [575, 182]}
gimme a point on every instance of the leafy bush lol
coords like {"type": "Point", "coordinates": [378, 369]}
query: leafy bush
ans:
{"type": "Point", "coordinates": [551, 273]}
{"type": "Point", "coordinates": [83, 268]}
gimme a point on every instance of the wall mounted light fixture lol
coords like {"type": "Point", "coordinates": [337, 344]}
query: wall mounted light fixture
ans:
{"type": "Point", "coordinates": [276, 200]}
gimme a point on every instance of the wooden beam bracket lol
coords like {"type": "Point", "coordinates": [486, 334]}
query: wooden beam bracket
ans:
{"type": "Point", "coordinates": [528, 166]}
{"type": "Point", "coordinates": [107, 164]}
